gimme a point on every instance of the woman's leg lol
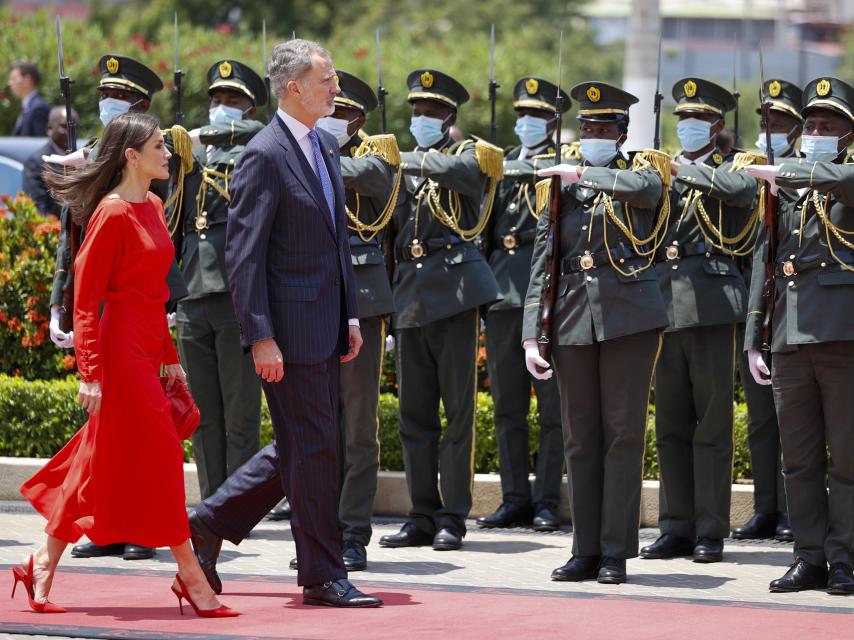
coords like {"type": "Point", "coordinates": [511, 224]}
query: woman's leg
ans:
{"type": "Point", "coordinates": [45, 561]}
{"type": "Point", "coordinates": [191, 573]}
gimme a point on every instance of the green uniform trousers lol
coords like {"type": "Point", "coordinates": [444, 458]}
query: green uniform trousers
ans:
{"type": "Point", "coordinates": [763, 438]}
{"type": "Point", "coordinates": [437, 362]}
{"type": "Point", "coordinates": [510, 385]}
{"type": "Point", "coordinates": [224, 384]}
{"type": "Point", "coordinates": [693, 428]}
{"type": "Point", "coordinates": [359, 449]}
{"type": "Point", "coordinates": [815, 404]}
{"type": "Point", "coordinates": [604, 394]}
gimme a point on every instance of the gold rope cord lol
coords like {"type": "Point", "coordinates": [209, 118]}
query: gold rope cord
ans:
{"type": "Point", "coordinates": [183, 148]}
{"type": "Point", "coordinates": [820, 204]}
{"type": "Point", "coordinates": [385, 147]}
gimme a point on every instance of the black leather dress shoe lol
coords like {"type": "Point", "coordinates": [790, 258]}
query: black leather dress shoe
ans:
{"type": "Point", "coordinates": [577, 569]}
{"type": "Point", "coordinates": [340, 593]}
{"type": "Point", "coordinates": [281, 512]}
{"type": "Point", "coordinates": [783, 531]}
{"type": "Point", "coordinates": [668, 546]}
{"type": "Point", "coordinates": [355, 556]}
{"type": "Point", "coordinates": [545, 519]}
{"type": "Point", "coordinates": [207, 545]}
{"type": "Point", "coordinates": [759, 527]}
{"type": "Point", "coordinates": [92, 550]}
{"type": "Point", "coordinates": [508, 515]}
{"type": "Point", "coordinates": [612, 571]}
{"type": "Point", "coordinates": [408, 536]}
{"type": "Point", "coordinates": [447, 540]}
{"type": "Point", "coordinates": [801, 576]}
{"type": "Point", "coordinates": [294, 564]}
{"type": "Point", "coordinates": [137, 552]}
{"type": "Point", "coordinates": [709, 550]}
{"type": "Point", "coordinates": [840, 580]}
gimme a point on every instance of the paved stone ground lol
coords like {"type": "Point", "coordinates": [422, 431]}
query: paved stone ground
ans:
{"type": "Point", "coordinates": [515, 558]}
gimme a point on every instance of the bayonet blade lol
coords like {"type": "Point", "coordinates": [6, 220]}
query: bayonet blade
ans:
{"type": "Point", "coordinates": [59, 47]}
{"type": "Point", "coordinates": [379, 61]}
{"type": "Point", "coordinates": [176, 42]}
{"type": "Point", "coordinates": [492, 53]}
{"type": "Point", "coordinates": [264, 42]}
{"type": "Point", "coordinates": [658, 70]}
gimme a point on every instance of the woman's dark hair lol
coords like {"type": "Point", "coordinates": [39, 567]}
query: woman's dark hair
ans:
{"type": "Point", "coordinates": [82, 189]}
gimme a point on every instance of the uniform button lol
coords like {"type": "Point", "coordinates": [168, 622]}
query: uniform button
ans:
{"type": "Point", "coordinates": [792, 257]}
{"type": "Point", "coordinates": [675, 267]}
{"type": "Point", "coordinates": [447, 246]}
{"type": "Point", "coordinates": [584, 228]}
{"type": "Point", "coordinates": [791, 283]}
{"type": "Point", "coordinates": [589, 279]}
{"type": "Point", "coordinates": [512, 207]}
{"type": "Point", "coordinates": [823, 265]}
{"type": "Point", "coordinates": [203, 236]}
{"type": "Point", "coordinates": [418, 265]}
{"type": "Point", "coordinates": [796, 231]}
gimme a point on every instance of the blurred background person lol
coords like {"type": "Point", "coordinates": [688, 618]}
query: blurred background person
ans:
{"type": "Point", "coordinates": [33, 182]}
{"type": "Point", "coordinates": [24, 80]}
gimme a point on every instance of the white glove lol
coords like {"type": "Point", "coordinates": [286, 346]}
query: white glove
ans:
{"type": "Point", "coordinates": [389, 343]}
{"type": "Point", "coordinates": [567, 172]}
{"type": "Point", "coordinates": [58, 337]}
{"type": "Point", "coordinates": [76, 159]}
{"type": "Point", "coordinates": [170, 320]}
{"type": "Point", "coordinates": [765, 172]}
{"type": "Point", "coordinates": [196, 135]}
{"type": "Point", "coordinates": [758, 368]}
{"type": "Point", "coordinates": [537, 367]}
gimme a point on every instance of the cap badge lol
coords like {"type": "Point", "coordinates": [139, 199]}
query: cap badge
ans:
{"type": "Point", "coordinates": [621, 164]}
{"type": "Point", "coordinates": [823, 87]}
{"type": "Point", "coordinates": [774, 88]}
{"type": "Point", "coordinates": [531, 86]}
{"type": "Point", "coordinates": [113, 65]}
{"type": "Point", "coordinates": [690, 88]}
{"type": "Point", "coordinates": [426, 79]}
{"type": "Point", "coordinates": [593, 93]}
{"type": "Point", "coordinates": [225, 69]}
{"type": "Point", "coordinates": [717, 158]}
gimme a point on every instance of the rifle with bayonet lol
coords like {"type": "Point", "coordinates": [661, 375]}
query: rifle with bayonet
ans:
{"type": "Point", "coordinates": [656, 103]}
{"type": "Point", "coordinates": [72, 230]}
{"type": "Point", "coordinates": [736, 134]}
{"type": "Point", "coordinates": [267, 72]}
{"type": "Point", "coordinates": [178, 80]}
{"type": "Point", "coordinates": [552, 255]}
{"type": "Point", "coordinates": [770, 287]}
{"type": "Point", "coordinates": [493, 88]}
{"type": "Point", "coordinates": [388, 238]}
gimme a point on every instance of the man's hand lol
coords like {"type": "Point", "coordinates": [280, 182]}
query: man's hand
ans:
{"type": "Point", "coordinates": [535, 364]}
{"type": "Point", "coordinates": [765, 172]}
{"type": "Point", "coordinates": [569, 173]}
{"type": "Point", "coordinates": [355, 343]}
{"type": "Point", "coordinates": [57, 336]}
{"type": "Point", "coordinates": [72, 160]}
{"type": "Point", "coordinates": [174, 372]}
{"type": "Point", "coordinates": [269, 363]}
{"type": "Point", "coordinates": [89, 396]}
{"type": "Point", "coordinates": [758, 368]}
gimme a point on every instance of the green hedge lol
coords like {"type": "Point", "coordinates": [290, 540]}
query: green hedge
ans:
{"type": "Point", "coordinates": [38, 417]}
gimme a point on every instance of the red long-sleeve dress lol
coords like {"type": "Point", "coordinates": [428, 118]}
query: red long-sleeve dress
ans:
{"type": "Point", "coordinates": [120, 478]}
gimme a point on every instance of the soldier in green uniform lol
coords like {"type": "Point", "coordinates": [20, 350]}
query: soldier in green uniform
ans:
{"type": "Point", "coordinates": [370, 169]}
{"type": "Point", "coordinates": [511, 243]}
{"type": "Point", "coordinates": [441, 279]}
{"type": "Point", "coordinates": [705, 294]}
{"type": "Point", "coordinates": [608, 317]}
{"type": "Point", "coordinates": [770, 518]}
{"type": "Point", "coordinates": [126, 85]}
{"type": "Point", "coordinates": [812, 339]}
{"type": "Point", "coordinates": [221, 376]}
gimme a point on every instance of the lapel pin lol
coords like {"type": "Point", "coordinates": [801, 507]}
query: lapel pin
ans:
{"type": "Point", "coordinates": [329, 151]}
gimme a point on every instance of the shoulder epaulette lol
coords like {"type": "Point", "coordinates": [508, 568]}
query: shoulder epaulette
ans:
{"type": "Point", "coordinates": [655, 159]}
{"type": "Point", "coordinates": [383, 145]}
{"type": "Point", "coordinates": [746, 158]}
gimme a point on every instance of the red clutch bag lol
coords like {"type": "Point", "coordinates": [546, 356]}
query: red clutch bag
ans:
{"type": "Point", "coordinates": [185, 413]}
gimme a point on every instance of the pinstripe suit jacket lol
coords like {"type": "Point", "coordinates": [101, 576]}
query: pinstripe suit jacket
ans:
{"type": "Point", "coordinates": [289, 269]}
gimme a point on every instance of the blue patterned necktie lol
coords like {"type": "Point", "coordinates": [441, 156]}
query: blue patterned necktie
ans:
{"type": "Point", "coordinates": [323, 174]}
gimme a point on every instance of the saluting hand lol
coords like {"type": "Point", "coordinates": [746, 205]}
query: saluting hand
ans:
{"type": "Point", "coordinates": [269, 363]}
{"type": "Point", "coordinates": [89, 396]}
{"type": "Point", "coordinates": [355, 344]}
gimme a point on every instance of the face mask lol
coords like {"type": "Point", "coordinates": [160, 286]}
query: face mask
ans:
{"type": "Point", "coordinates": [694, 134]}
{"type": "Point", "coordinates": [110, 108]}
{"type": "Point", "coordinates": [337, 127]}
{"type": "Point", "coordinates": [427, 131]}
{"type": "Point", "coordinates": [531, 130]}
{"type": "Point", "coordinates": [222, 114]}
{"type": "Point", "coordinates": [598, 151]}
{"type": "Point", "coordinates": [820, 148]}
{"type": "Point", "coordinates": [779, 143]}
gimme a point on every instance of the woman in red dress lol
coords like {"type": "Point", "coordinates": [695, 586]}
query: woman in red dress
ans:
{"type": "Point", "coordinates": [121, 476]}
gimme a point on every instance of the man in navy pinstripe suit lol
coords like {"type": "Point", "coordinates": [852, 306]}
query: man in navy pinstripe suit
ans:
{"type": "Point", "coordinates": [291, 278]}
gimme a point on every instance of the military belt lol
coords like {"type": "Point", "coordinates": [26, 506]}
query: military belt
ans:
{"type": "Point", "coordinates": [418, 249]}
{"type": "Point", "coordinates": [675, 251]}
{"type": "Point", "coordinates": [574, 264]}
{"type": "Point", "coordinates": [796, 265]}
{"type": "Point", "coordinates": [515, 240]}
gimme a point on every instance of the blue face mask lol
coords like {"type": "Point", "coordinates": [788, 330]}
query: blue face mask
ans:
{"type": "Point", "coordinates": [779, 143]}
{"type": "Point", "coordinates": [598, 151]}
{"type": "Point", "coordinates": [532, 131]}
{"type": "Point", "coordinates": [427, 131]}
{"type": "Point", "coordinates": [693, 133]}
{"type": "Point", "coordinates": [222, 114]}
{"type": "Point", "coordinates": [109, 108]}
{"type": "Point", "coordinates": [820, 148]}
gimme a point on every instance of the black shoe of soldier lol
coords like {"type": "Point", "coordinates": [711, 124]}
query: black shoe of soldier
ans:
{"type": "Point", "coordinates": [759, 527]}
{"type": "Point", "coordinates": [801, 576]}
{"type": "Point", "coordinates": [507, 515]}
{"type": "Point", "coordinates": [577, 569]}
{"type": "Point", "coordinates": [668, 546]}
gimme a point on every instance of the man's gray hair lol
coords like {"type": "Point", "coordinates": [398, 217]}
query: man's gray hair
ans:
{"type": "Point", "coordinates": [291, 60]}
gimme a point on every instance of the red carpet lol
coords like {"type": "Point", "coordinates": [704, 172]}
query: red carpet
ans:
{"type": "Point", "coordinates": [139, 605]}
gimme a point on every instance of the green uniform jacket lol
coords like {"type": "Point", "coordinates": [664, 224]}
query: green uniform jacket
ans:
{"type": "Point", "coordinates": [816, 303]}
{"type": "Point", "coordinates": [703, 286]}
{"type": "Point", "coordinates": [368, 183]}
{"type": "Point", "coordinates": [453, 275]}
{"type": "Point", "coordinates": [599, 303]}
{"type": "Point", "coordinates": [201, 252]}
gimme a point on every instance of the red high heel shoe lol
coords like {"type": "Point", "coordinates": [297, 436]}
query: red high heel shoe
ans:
{"type": "Point", "coordinates": [220, 612]}
{"type": "Point", "coordinates": [30, 585]}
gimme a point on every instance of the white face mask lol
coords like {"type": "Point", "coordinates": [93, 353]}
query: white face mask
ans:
{"type": "Point", "coordinates": [598, 151]}
{"type": "Point", "coordinates": [693, 133]}
{"type": "Point", "coordinates": [820, 148]}
{"type": "Point", "coordinates": [109, 108]}
{"type": "Point", "coordinates": [222, 114]}
{"type": "Point", "coordinates": [427, 131]}
{"type": "Point", "coordinates": [337, 127]}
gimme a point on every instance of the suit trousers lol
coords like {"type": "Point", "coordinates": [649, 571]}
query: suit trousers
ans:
{"type": "Point", "coordinates": [223, 383]}
{"type": "Point", "coordinates": [693, 428]}
{"type": "Point", "coordinates": [437, 362]}
{"type": "Point", "coordinates": [359, 449]}
{"type": "Point", "coordinates": [815, 403]}
{"type": "Point", "coordinates": [510, 385]}
{"type": "Point", "coordinates": [763, 438]}
{"type": "Point", "coordinates": [604, 393]}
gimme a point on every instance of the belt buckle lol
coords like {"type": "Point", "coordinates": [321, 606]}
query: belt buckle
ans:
{"type": "Point", "coordinates": [510, 241]}
{"type": "Point", "coordinates": [672, 252]}
{"type": "Point", "coordinates": [789, 268]}
{"type": "Point", "coordinates": [586, 261]}
{"type": "Point", "coordinates": [416, 249]}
